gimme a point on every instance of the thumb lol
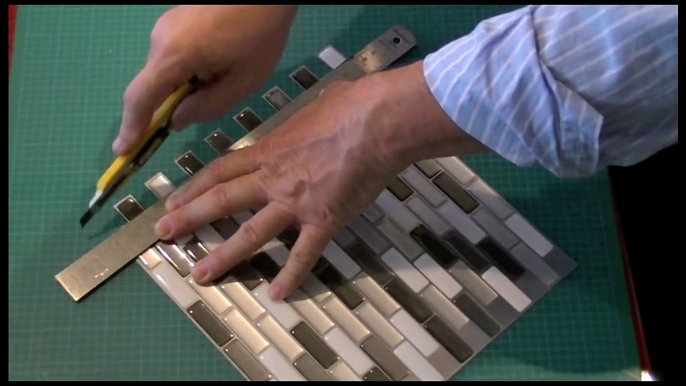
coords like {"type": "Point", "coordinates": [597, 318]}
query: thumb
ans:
{"type": "Point", "coordinates": [146, 92]}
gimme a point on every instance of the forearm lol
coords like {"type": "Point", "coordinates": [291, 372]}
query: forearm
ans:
{"type": "Point", "coordinates": [407, 123]}
{"type": "Point", "coordinates": [571, 89]}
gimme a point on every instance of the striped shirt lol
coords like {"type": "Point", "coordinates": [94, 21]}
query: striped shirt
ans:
{"type": "Point", "coordinates": [570, 88]}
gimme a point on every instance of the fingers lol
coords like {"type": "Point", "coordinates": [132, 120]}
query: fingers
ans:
{"type": "Point", "coordinates": [227, 198]}
{"type": "Point", "coordinates": [224, 169]}
{"type": "Point", "coordinates": [210, 103]}
{"type": "Point", "coordinates": [304, 254]}
{"type": "Point", "coordinates": [148, 90]}
{"type": "Point", "coordinates": [251, 236]}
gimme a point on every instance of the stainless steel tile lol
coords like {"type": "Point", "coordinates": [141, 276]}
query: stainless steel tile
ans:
{"type": "Point", "coordinates": [404, 270]}
{"type": "Point", "coordinates": [245, 331]}
{"type": "Point", "coordinates": [428, 216]}
{"type": "Point", "coordinates": [438, 276]}
{"type": "Point", "coordinates": [372, 214]}
{"type": "Point", "coordinates": [502, 312]}
{"type": "Point", "coordinates": [379, 325]}
{"type": "Point", "coordinates": [310, 369]}
{"type": "Point", "coordinates": [242, 299]}
{"type": "Point", "coordinates": [341, 287]}
{"type": "Point", "coordinates": [342, 316]}
{"type": "Point", "coordinates": [375, 375]}
{"type": "Point", "coordinates": [376, 295]}
{"type": "Point", "coordinates": [534, 264]}
{"type": "Point", "coordinates": [474, 336]}
{"type": "Point", "coordinates": [408, 300]}
{"type": "Point", "coordinates": [529, 234]}
{"type": "Point", "coordinates": [315, 345]}
{"type": "Point", "coordinates": [189, 163]}
{"type": "Point", "coordinates": [279, 337]}
{"type": "Point", "coordinates": [310, 312]}
{"type": "Point", "coordinates": [315, 289]}
{"type": "Point", "coordinates": [423, 186]}
{"type": "Point", "coordinates": [417, 363]}
{"type": "Point", "coordinates": [405, 244]}
{"type": "Point", "coordinates": [456, 168]}
{"type": "Point", "coordinates": [332, 57]}
{"type": "Point", "coordinates": [428, 167]}
{"type": "Point", "coordinates": [445, 363]}
{"type": "Point", "coordinates": [462, 222]}
{"type": "Point", "coordinates": [470, 280]}
{"type": "Point", "coordinates": [250, 366]}
{"type": "Point", "coordinates": [440, 331]}
{"type": "Point", "coordinates": [209, 323]}
{"type": "Point", "coordinates": [443, 307]}
{"type": "Point", "coordinates": [344, 238]}
{"type": "Point", "coordinates": [494, 227]}
{"type": "Point", "coordinates": [277, 98]}
{"type": "Point", "coordinates": [414, 332]}
{"type": "Point", "coordinates": [561, 263]}
{"type": "Point", "coordinates": [218, 141]}
{"type": "Point", "coordinates": [490, 198]}
{"type": "Point", "coordinates": [369, 261]}
{"type": "Point", "coordinates": [397, 211]}
{"type": "Point", "coordinates": [384, 357]}
{"type": "Point", "coordinates": [506, 289]}
{"type": "Point", "coordinates": [339, 259]}
{"type": "Point", "coordinates": [175, 256]}
{"type": "Point", "coordinates": [476, 314]}
{"type": "Point", "coordinates": [348, 351]}
{"type": "Point", "coordinates": [367, 233]}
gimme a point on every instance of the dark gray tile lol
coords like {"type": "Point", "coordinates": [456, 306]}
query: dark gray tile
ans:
{"type": "Point", "coordinates": [315, 345]}
{"type": "Point", "coordinates": [341, 287]}
{"type": "Point", "coordinates": [250, 366]}
{"type": "Point", "coordinates": [456, 192]}
{"type": "Point", "coordinates": [560, 262]}
{"type": "Point", "coordinates": [502, 312]}
{"type": "Point", "coordinates": [375, 375]}
{"type": "Point", "coordinates": [408, 300]}
{"type": "Point", "coordinates": [429, 167]}
{"type": "Point", "coordinates": [175, 256]}
{"type": "Point", "coordinates": [277, 98]}
{"type": "Point", "coordinates": [304, 77]}
{"type": "Point", "coordinates": [190, 163]}
{"type": "Point", "coordinates": [448, 339]}
{"type": "Point", "coordinates": [218, 141]}
{"type": "Point", "coordinates": [474, 312]}
{"type": "Point", "coordinates": [385, 358]}
{"type": "Point", "coordinates": [204, 317]}
{"type": "Point", "coordinates": [248, 119]}
{"type": "Point", "coordinates": [310, 369]}
{"type": "Point", "coordinates": [129, 208]}
{"type": "Point", "coordinates": [399, 189]}
{"type": "Point", "coordinates": [367, 259]}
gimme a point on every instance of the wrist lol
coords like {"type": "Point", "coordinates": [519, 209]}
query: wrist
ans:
{"type": "Point", "coordinates": [408, 123]}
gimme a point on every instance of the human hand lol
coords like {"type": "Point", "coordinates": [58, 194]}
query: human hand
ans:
{"type": "Point", "coordinates": [232, 49]}
{"type": "Point", "coordinates": [318, 171]}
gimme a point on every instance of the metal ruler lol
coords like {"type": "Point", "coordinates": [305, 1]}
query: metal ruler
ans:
{"type": "Point", "coordinates": [99, 264]}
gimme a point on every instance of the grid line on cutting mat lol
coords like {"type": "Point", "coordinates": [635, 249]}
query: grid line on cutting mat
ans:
{"type": "Point", "coordinates": [581, 330]}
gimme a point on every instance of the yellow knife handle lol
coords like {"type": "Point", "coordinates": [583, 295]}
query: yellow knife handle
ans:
{"type": "Point", "coordinates": [159, 120]}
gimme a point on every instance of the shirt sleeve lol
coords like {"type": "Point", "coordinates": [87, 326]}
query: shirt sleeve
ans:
{"type": "Point", "coordinates": [570, 88]}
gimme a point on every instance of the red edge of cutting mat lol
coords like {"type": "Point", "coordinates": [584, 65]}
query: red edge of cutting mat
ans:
{"type": "Point", "coordinates": [640, 338]}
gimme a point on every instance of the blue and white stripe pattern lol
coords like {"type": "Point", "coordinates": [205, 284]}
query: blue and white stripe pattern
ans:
{"type": "Point", "coordinates": [570, 88]}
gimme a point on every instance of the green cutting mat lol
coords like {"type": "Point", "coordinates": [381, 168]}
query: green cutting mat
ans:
{"type": "Point", "coordinates": [71, 66]}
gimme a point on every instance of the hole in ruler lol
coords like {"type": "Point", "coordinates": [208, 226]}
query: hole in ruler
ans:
{"type": "Point", "coordinates": [396, 40]}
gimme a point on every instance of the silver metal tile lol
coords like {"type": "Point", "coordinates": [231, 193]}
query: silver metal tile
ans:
{"type": "Point", "coordinates": [397, 211]}
{"type": "Point", "coordinates": [423, 186]}
{"type": "Point", "coordinates": [470, 280]}
{"type": "Point", "coordinates": [404, 243]}
{"type": "Point", "coordinates": [462, 222]}
{"type": "Point", "coordinates": [310, 312]}
{"type": "Point", "coordinates": [378, 324]}
{"type": "Point", "coordinates": [345, 319]}
{"type": "Point", "coordinates": [366, 232]}
{"type": "Point", "coordinates": [456, 168]}
{"type": "Point", "coordinates": [428, 216]}
{"type": "Point", "coordinates": [490, 198]}
{"type": "Point", "coordinates": [534, 264]}
{"type": "Point", "coordinates": [494, 227]}
{"type": "Point", "coordinates": [375, 294]}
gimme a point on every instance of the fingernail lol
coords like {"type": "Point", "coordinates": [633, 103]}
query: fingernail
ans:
{"type": "Point", "coordinates": [118, 145]}
{"type": "Point", "coordinates": [163, 228]}
{"type": "Point", "coordinates": [275, 291]}
{"type": "Point", "coordinates": [200, 274]}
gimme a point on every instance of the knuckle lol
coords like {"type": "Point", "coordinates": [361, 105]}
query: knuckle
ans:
{"type": "Point", "coordinates": [248, 233]}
